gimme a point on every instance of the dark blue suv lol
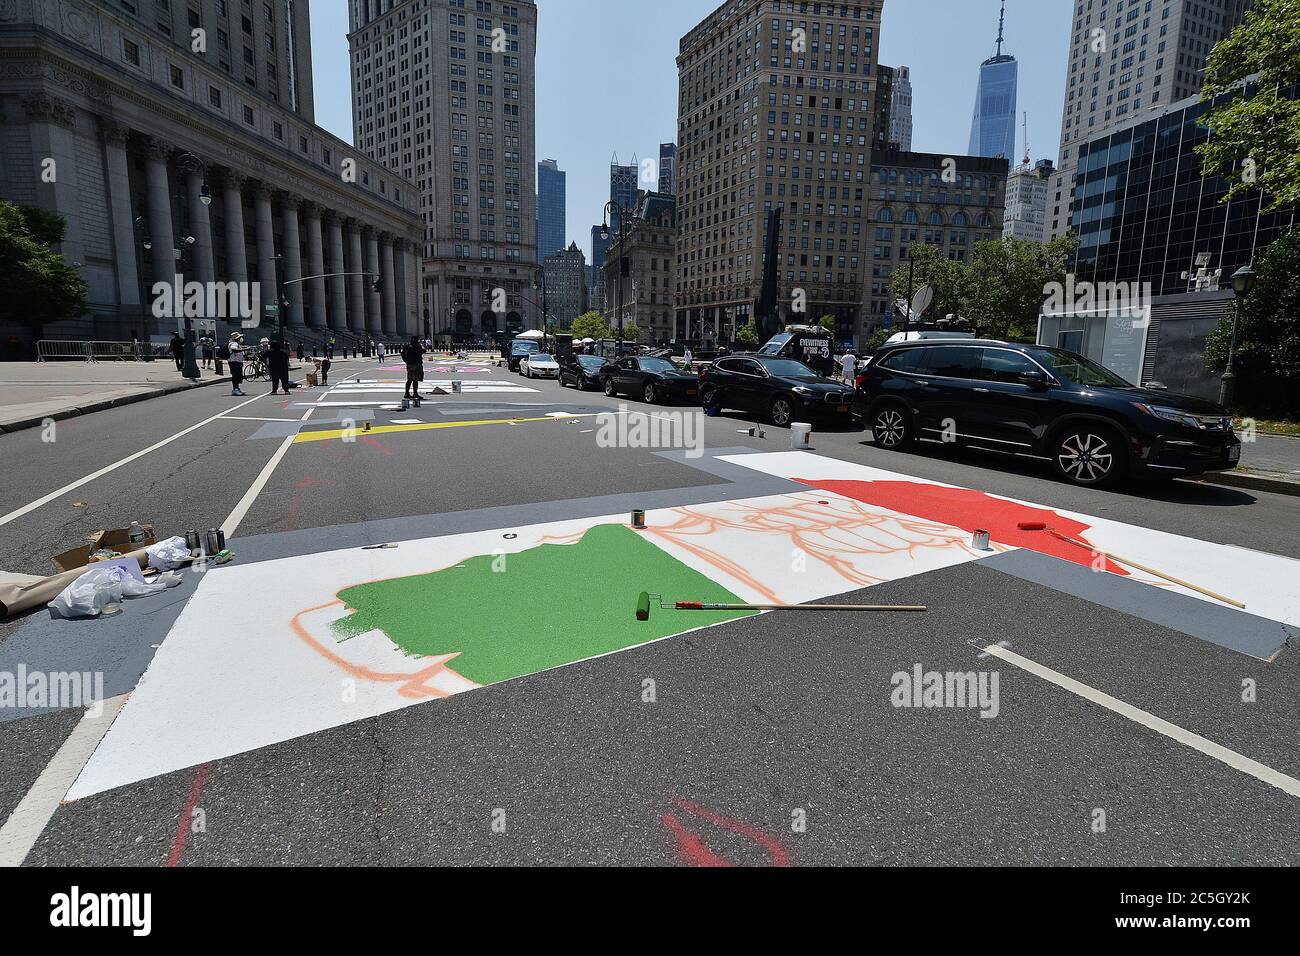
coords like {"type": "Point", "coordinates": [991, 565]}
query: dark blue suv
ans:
{"type": "Point", "coordinates": [1040, 402]}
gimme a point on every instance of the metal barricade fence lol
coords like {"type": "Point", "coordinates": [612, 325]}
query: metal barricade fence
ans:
{"type": "Point", "coordinates": [59, 349]}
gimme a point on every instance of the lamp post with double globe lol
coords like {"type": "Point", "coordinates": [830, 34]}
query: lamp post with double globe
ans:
{"type": "Point", "coordinates": [1243, 280]}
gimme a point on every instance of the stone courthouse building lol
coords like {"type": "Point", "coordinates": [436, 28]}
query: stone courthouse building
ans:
{"type": "Point", "coordinates": [180, 138]}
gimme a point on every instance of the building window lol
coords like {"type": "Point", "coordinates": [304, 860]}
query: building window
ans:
{"type": "Point", "coordinates": [248, 115]}
{"type": "Point", "coordinates": [178, 77]}
{"type": "Point", "coordinates": [130, 52]}
{"type": "Point", "coordinates": [214, 97]}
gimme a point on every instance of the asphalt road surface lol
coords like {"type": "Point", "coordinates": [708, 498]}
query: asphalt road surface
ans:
{"type": "Point", "coordinates": [1116, 737]}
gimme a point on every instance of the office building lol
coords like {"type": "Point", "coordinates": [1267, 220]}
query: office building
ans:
{"type": "Point", "coordinates": [444, 93]}
{"type": "Point", "coordinates": [900, 110]}
{"type": "Point", "coordinates": [551, 199]}
{"type": "Point", "coordinates": [765, 123]}
{"type": "Point", "coordinates": [915, 200]}
{"type": "Point", "coordinates": [566, 285]}
{"type": "Point", "coordinates": [668, 169]}
{"type": "Point", "coordinates": [623, 189]}
{"type": "Point", "coordinates": [885, 77]}
{"type": "Point", "coordinates": [646, 292]}
{"type": "Point", "coordinates": [1026, 206]}
{"type": "Point", "coordinates": [155, 145]}
{"type": "Point", "coordinates": [993, 124]}
{"type": "Point", "coordinates": [1128, 58]}
{"type": "Point", "coordinates": [1145, 212]}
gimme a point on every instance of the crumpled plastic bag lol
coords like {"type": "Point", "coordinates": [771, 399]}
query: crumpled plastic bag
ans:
{"type": "Point", "coordinates": [169, 554]}
{"type": "Point", "coordinates": [105, 585]}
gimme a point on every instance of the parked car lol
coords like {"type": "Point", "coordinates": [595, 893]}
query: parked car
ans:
{"type": "Point", "coordinates": [781, 389]}
{"type": "Point", "coordinates": [653, 379]}
{"type": "Point", "coordinates": [539, 365]}
{"type": "Point", "coordinates": [1040, 402]}
{"type": "Point", "coordinates": [518, 349]}
{"type": "Point", "coordinates": [583, 371]}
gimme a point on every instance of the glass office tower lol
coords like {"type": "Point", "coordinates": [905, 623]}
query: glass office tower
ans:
{"type": "Point", "coordinates": [993, 125]}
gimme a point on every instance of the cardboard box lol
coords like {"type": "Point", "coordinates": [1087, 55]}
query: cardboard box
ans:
{"type": "Point", "coordinates": [118, 540]}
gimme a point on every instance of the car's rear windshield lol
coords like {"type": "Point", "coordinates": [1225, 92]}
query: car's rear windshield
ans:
{"type": "Point", "coordinates": [590, 361]}
{"type": "Point", "coordinates": [657, 365]}
{"type": "Point", "coordinates": [1078, 369]}
{"type": "Point", "coordinates": [520, 347]}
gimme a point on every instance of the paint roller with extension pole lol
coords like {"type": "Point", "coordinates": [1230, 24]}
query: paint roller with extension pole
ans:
{"type": "Point", "coordinates": [1041, 526]}
{"type": "Point", "coordinates": [644, 600]}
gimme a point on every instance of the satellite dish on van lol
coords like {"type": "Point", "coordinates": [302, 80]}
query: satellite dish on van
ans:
{"type": "Point", "coordinates": [921, 301]}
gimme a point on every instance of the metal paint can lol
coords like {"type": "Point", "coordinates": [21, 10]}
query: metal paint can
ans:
{"type": "Point", "coordinates": [221, 539]}
{"type": "Point", "coordinates": [213, 541]}
{"type": "Point", "coordinates": [638, 518]}
{"type": "Point", "coordinates": [455, 388]}
{"type": "Point", "coordinates": [193, 541]}
{"type": "Point", "coordinates": [980, 541]}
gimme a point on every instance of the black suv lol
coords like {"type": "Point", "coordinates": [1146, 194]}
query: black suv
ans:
{"type": "Point", "coordinates": [1040, 402]}
{"type": "Point", "coordinates": [782, 389]}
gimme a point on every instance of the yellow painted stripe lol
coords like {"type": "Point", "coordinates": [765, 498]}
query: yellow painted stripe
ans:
{"type": "Point", "coordinates": [336, 434]}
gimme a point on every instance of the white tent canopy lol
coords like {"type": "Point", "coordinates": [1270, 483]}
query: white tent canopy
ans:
{"type": "Point", "coordinates": [530, 334]}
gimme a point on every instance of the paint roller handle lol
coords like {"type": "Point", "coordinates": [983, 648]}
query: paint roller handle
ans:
{"type": "Point", "coordinates": [697, 606]}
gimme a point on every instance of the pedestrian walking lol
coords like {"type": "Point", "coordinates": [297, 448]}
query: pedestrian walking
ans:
{"type": "Point", "coordinates": [209, 346]}
{"type": "Point", "coordinates": [380, 350]}
{"type": "Point", "coordinates": [849, 366]}
{"type": "Point", "coordinates": [325, 371]}
{"type": "Point", "coordinates": [413, 356]}
{"type": "Point", "coordinates": [302, 353]}
{"type": "Point", "coordinates": [329, 353]}
{"type": "Point", "coordinates": [277, 363]}
{"type": "Point", "coordinates": [178, 351]}
{"type": "Point", "coordinates": [234, 350]}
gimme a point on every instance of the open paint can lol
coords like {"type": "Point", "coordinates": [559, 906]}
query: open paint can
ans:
{"type": "Point", "coordinates": [980, 541]}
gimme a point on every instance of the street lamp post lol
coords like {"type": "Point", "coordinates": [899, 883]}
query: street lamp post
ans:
{"type": "Point", "coordinates": [540, 285]}
{"type": "Point", "coordinates": [188, 162]}
{"type": "Point", "coordinates": [622, 260]}
{"type": "Point", "coordinates": [146, 244]}
{"type": "Point", "coordinates": [1242, 282]}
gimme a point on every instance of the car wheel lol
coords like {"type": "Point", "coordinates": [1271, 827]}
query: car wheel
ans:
{"type": "Point", "coordinates": [891, 428]}
{"type": "Point", "coordinates": [782, 412]}
{"type": "Point", "coordinates": [1088, 455]}
{"type": "Point", "coordinates": [610, 390]}
{"type": "Point", "coordinates": [651, 394]}
{"type": "Point", "coordinates": [709, 397]}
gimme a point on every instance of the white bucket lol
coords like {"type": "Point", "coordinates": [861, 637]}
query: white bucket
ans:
{"type": "Point", "coordinates": [800, 436]}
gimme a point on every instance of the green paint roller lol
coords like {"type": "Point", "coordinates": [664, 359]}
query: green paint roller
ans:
{"type": "Point", "coordinates": [644, 598]}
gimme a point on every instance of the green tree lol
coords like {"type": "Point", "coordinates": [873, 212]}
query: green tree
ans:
{"type": "Point", "coordinates": [631, 332]}
{"type": "Point", "coordinates": [1267, 362]}
{"type": "Point", "coordinates": [590, 325]}
{"type": "Point", "coordinates": [39, 286]}
{"type": "Point", "coordinates": [747, 334]}
{"type": "Point", "coordinates": [931, 267]}
{"type": "Point", "coordinates": [1008, 280]}
{"type": "Point", "coordinates": [829, 323]}
{"type": "Point", "coordinates": [1255, 143]}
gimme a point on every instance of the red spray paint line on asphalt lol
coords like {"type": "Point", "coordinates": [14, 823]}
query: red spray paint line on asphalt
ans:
{"type": "Point", "coordinates": [695, 852]}
{"type": "Point", "coordinates": [971, 510]}
{"type": "Point", "coordinates": [187, 815]}
{"type": "Point", "coordinates": [374, 442]}
{"type": "Point", "coordinates": [295, 504]}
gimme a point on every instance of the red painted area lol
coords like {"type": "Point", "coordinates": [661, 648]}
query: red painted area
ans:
{"type": "Point", "coordinates": [374, 442]}
{"type": "Point", "coordinates": [971, 510]}
{"type": "Point", "coordinates": [695, 852]}
{"type": "Point", "coordinates": [187, 815]}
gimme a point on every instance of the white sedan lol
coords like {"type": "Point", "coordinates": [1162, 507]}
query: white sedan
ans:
{"type": "Point", "coordinates": [539, 365]}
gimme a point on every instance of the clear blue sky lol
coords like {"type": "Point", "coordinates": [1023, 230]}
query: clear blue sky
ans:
{"type": "Point", "coordinates": [607, 78]}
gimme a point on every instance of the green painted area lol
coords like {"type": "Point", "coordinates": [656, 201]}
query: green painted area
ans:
{"type": "Point", "coordinates": [552, 605]}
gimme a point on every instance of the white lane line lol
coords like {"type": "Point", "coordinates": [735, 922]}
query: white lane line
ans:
{"type": "Point", "coordinates": [231, 524]}
{"type": "Point", "coordinates": [27, 509]}
{"type": "Point", "coordinates": [241, 418]}
{"type": "Point", "coordinates": [29, 819]}
{"type": "Point", "coordinates": [1220, 753]}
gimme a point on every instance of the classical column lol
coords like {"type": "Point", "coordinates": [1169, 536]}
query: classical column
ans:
{"type": "Point", "coordinates": [374, 305]}
{"type": "Point", "coordinates": [265, 245]}
{"type": "Point", "coordinates": [161, 233]}
{"type": "Point", "coordinates": [315, 265]}
{"type": "Point", "coordinates": [389, 275]}
{"type": "Point", "coordinates": [236, 249]}
{"type": "Point", "coordinates": [200, 227]}
{"type": "Point", "coordinates": [406, 325]}
{"type": "Point", "coordinates": [292, 252]}
{"type": "Point", "coordinates": [356, 281]}
{"type": "Point", "coordinates": [414, 288]}
{"type": "Point", "coordinates": [52, 129]}
{"type": "Point", "coordinates": [338, 315]}
{"type": "Point", "coordinates": [125, 241]}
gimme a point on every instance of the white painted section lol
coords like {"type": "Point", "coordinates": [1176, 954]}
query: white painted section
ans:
{"type": "Point", "coordinates": [1198, 743]}
{"type": "Point", "coordinates": [1268, 584]}
{"type": "Point", "coordinates": [25, 825]}
{"type": "Point", "coordinates": [233, 675]}
{"type": "Point", "coordinates": [73, 486]}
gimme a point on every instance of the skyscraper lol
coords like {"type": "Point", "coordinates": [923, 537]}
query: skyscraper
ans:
{"type": "Point", "coordinates": [446, 96]}
{"type": "Point", "coordinates": [668, 169]}
{"type": "Point", "coordinates": [551, 200]}
{"type": "Point", "coordinates": [774, 113]}
{"type": "Point", "coordinates": [993, 124]}
{"type": "Point", "coordinates": [900, 110]}
{"type": "Point", "coordinates": [1121, 65]}
{"type": "Point", "coordinates": [622, 188]}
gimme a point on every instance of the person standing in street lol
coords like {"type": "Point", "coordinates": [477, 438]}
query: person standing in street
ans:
{"type": "Point", "coordinates": [178, 351]}
{"type": "Point", "coordinates": [849, 366]}
{"type": "Point", "coordinates": [380, 350]}
{"type": "Point", "coordinates": [235, 356]}
{"type": "Point", "coordinates": [277, 363]}
{"type": "Point", "coordinates": [209, 346]}
{"type": "Point", "coordinates": [413, 356]}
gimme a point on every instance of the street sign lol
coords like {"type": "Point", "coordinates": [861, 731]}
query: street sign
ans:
{"type": "Point", "coordinates": [889, 319]}
{"type": "Point", "coordinates": [271, 308]}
